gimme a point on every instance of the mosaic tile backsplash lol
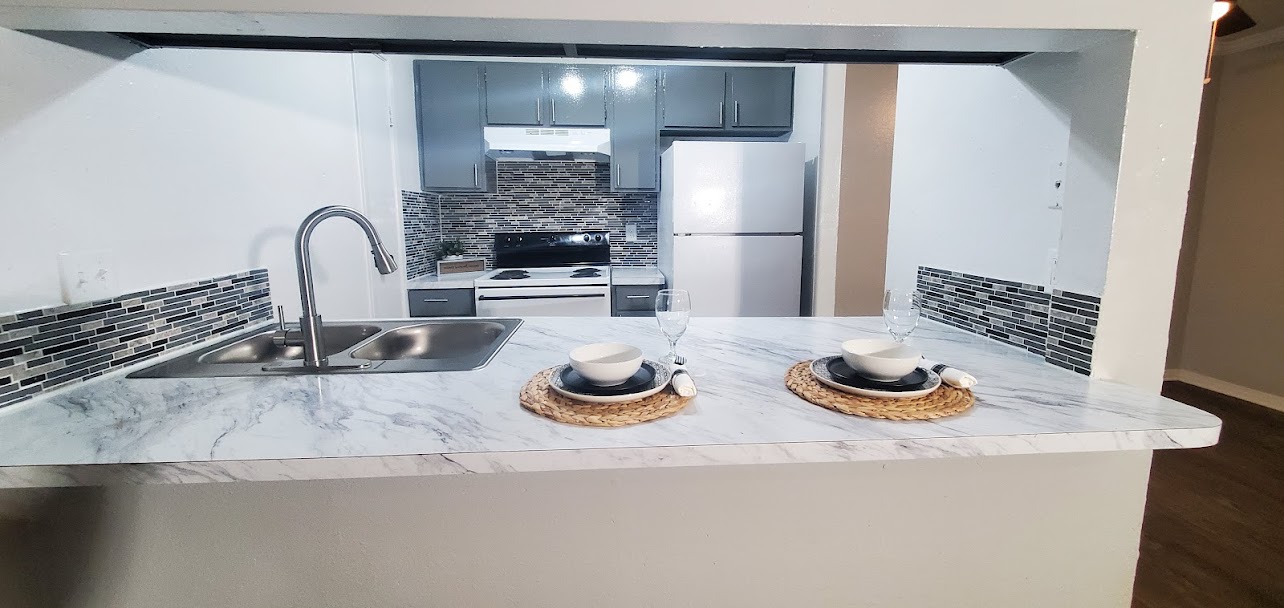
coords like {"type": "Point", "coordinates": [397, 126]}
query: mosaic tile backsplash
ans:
{"type": "Point", "coordinates": [1059, 325]}
{"type": "Point", "coordinates": [545, 195]}
{"type": "Point", "coordinates": [47, 348]}
{"type": "Point", "coordinates": [421, 223]}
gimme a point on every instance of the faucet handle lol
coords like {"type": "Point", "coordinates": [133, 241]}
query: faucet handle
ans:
{"type": "Point", "coordinates": [280, 318]}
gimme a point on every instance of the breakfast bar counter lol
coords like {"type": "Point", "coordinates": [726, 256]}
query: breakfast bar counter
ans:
{"type": "Point", "coordinates": [176, 431]}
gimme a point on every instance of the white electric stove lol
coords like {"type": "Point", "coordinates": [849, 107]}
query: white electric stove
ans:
{"type": "Point", "coordinates": [551, 274]}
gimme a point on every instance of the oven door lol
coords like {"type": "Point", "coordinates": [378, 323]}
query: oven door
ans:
{"type": "Point", "coordinates": [544, 302]}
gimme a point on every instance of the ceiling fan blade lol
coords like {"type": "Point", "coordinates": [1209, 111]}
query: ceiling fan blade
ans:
{"type": "Point", "coordinates": [1234, 22]}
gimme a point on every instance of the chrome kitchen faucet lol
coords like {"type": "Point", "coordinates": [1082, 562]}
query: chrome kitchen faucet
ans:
{"type": "Point", "coordinates": [309, 335]}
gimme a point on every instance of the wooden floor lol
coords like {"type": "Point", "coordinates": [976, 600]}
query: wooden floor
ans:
{"type": "Point", "coordinates": [1214, 527]}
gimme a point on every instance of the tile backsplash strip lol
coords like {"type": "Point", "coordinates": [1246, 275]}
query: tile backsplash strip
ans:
{"type": "Point", "coordinates": [1058, 326]}
{"type": "Point", "coordinates": [51, 347]}
{"type": "Point", "coordinates": [421, 225]}
{"type": "Point", "coordinates": [552, 195]}
{"type": "Point", "coordinates": [1072, 327]}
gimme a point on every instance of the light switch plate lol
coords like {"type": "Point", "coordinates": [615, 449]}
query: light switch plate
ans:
{"type": "Point", "coordinates": [87, 276]}
{"type": "Point", "coordinates": [630, 232]}
{"type": "Point", "coordinates": [1057, 179]}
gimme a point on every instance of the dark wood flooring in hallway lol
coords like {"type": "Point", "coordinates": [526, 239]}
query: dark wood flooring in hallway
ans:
{"type": "Point", "coordinates": [1213, 534]}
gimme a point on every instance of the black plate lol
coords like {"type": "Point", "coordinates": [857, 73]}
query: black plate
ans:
{"type": "Point", "coordinates": [846, 375]}
{"type": "Point", "coordinates": [576, 383]}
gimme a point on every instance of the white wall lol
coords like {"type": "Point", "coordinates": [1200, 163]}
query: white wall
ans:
{"type": "Point", "coordinates": [972, 179]}
{"type": "Point", "coordinates": [1089, 89]}
{"type": "Point", "coordinates": [1049, 530]}
{"type": "Point", "coordinates": [185, 163]}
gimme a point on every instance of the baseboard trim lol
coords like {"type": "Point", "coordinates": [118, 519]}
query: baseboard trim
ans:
{"type": "Point", "coordinates": [1230, 389]}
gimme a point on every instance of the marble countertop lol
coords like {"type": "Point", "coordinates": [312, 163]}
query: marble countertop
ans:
{"type": "Point", "coordinates": [632, 275]}
{"type": "Point", "coordinates": [461, 280]}
{"type": "Point", "coordinates": [118, 430]}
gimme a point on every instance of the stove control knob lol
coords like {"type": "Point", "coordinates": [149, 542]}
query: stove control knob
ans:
{"type": "Point", "coordinates": [597, 238]}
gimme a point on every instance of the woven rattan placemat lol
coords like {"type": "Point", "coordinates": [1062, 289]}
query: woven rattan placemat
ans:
{"type": "Point", "coordinates": [537, 397]}
{"type": "Point", "coordinates": [942, 402]}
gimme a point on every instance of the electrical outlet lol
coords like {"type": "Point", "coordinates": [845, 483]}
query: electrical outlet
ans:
{"type": "Point", "coordinates": [87, 276]}
{"type": "Point", "coordinates": [631, 232]}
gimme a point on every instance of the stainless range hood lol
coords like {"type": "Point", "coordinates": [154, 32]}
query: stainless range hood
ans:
{"type": "Point", "coordinates": [544, 143]}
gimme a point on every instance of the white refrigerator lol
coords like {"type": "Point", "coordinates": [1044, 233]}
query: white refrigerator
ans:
{"type": "Point", "coordinates": [730, 226]}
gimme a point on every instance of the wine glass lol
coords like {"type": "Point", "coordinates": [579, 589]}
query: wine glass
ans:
{"type": "Point", "coordinates": [672, 312]}
{"type": "Point", "coordinates": [900, 312]}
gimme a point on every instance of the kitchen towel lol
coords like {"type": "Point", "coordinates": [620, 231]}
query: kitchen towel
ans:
{"type": "Point", "coordinates": [952, 376]}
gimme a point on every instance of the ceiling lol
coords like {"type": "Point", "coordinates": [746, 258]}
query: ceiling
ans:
{"type": "Point", "coordinates": [1269, 15]}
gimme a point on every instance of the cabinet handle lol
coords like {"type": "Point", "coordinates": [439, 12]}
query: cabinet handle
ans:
{"type": "Point", "coordinates": [736, 118]}
{"type": "Point", "coordinates": [638, 297]}
{"type": "Point", "coordinates": [617, 177]}
{"type": "Point", "coordinates": [436, 300]}
{"type": "Point", "coordinates": [539, 112]}
{"type": "Point", "coordinates": [474, 175]}
{"type": "Point", "coordinates": [552, 102]}
{"type": "Point", "coordinates": [722, 106]}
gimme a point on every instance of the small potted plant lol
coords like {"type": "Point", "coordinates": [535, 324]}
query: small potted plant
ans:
{"type": "Point", "coordinates": [452, 249]}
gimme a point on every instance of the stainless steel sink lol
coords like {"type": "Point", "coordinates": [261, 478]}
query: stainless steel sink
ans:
{"type": "Point", "coordinates": [262, 348]}
{"type": "Point", "coordinates": [431, 341]}
{"type": "Point", "coordinates": [353, 348]}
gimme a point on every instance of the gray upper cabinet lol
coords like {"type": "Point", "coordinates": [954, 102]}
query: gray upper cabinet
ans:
{"type": "Point", "coordinates": [452, 152]}
{"type": "Point", "coordinates": [694, 97]}
{"type": "Point", "coordinates": [761, 97]}
{"type": "Point", "coordinates": [635, 133]}
{"type": "Point", "coordinates": [749, 101]}
{"type": "Point", "coordinates": [515, 94]}
{"type": "Point", "coordinates": [577, 96]}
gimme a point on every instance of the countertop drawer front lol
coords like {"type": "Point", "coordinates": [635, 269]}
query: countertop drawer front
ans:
{"type": "Point", "coordinates": [635, 298]}
{"type": "Point", "coordinates": [441, 302]}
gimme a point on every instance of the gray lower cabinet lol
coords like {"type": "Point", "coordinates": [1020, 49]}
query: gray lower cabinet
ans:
{"type": "Point", "coordinates": [635, 133]}
{"type": "Point", "coordinates": [452, 149]}
{"type": "Point", "coordinates": [577, 96]}
{"type": "Point", "coordinates": [694, 97]}
{"type": "Point", "coordinates": [441, 303]}
{"type": "Point", "coordinates": [761, 97]}
{"type": "Point", "coordinates": [515, 94]}
{"type": "Point", "coordinates": [634, 300]}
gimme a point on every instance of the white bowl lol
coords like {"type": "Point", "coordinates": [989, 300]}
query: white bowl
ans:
{"type": "Point", "coordinates": [606, 363]}
{"type": "Point", "coordinates": [882, 360]}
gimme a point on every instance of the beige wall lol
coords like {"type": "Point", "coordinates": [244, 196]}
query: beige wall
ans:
{"type": "Point", "coordinates": [1011, 531]}
{"type": "Point", "coordinates": [1228, 322]}
{"type": "Point", "coordinates": [865, 189]}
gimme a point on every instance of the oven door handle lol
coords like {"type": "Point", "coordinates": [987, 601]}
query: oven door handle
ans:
{"type": "Point", "coordinates": [551, 297]}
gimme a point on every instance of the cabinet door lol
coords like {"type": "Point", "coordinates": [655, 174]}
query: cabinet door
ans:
{"type": "Point", "coordinates": [577, 96]}
{"type": "Point", "coordinates": [441, 302]}
{"type": "Point", "coordinates": [515, 94]}
{"type": "Point", "coordinates": [639, 299]}
{"type": "Point", "coordinates": [635, 134]}
{"type": "Point", "coordinates": [761, 97]}
{"type": "Point", "coordinates": [451, 146]}
{"type": "Point", "coordinates": [694, 97]}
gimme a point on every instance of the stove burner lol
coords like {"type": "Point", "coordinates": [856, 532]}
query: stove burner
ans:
{"type": "Point", "coordinates": [511, 274]}
{"type": "Point", "coordinates": [586, 273]}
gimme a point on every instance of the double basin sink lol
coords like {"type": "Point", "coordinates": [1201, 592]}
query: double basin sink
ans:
{"type": "Point", "coordinates": [352, 348]}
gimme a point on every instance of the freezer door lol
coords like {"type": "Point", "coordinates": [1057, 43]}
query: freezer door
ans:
{"type": "Point", "coordinates": [737, 187]}
{"type": "Point", "coordinates": [739, 276]}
